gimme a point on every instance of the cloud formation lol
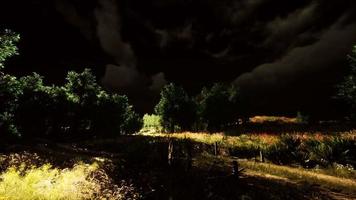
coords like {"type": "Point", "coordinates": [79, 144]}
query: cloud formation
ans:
{"type": "Point", "coordinates": [332, 45]}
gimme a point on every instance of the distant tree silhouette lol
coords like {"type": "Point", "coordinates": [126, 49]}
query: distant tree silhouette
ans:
{"type": "Point", "coordinates": [218, 106]}
{"type": "Point", "coordinates": [175, 108]}
{"type": "Point", "coordinates": [347, 88]}
{"type": "Point", "coordinates": [10, 87]}
{"type": "Point", "coordinates": [30, 109]}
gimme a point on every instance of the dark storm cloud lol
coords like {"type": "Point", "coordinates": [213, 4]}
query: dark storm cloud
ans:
{"type": "Point", "coordinates": [261, 45]}
{"type": "Point", "coordinates": [284, 30]}
{"type": "Point", "coordinates": [158, 81]}
{"type": "Point", "coordinates": [70, 13]}
{"type": "Point", "coordinates": [109, 33]}
{"type": "Point", "coordinates": [332, 45]}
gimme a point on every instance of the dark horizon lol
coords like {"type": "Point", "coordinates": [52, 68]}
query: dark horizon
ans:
{"type": "Point", "coordinates": [285, 56]}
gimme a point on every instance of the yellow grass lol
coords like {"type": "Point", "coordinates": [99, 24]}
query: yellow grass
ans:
{"type": "Point", "coordinates": [300, 174]}
{"type": "Point", "coordinates": [285, 173]}
{"type": "Point", "coordinates": [263, 119]}
{"type": "Point", "coordinates": [261, 140]}
{"type": "Point", "coordinates": [48, 183]}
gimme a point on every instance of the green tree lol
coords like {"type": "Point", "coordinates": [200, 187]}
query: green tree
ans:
{"type": "Point", "coordinates": [347, 88]}
{"type": "Point", "coordinates": [133, 122]}
{"type": "Point", "coordinates": [9, 85]}
{"type": "Point", "coordinates": [29, 108]}
{"type": "Point", "coordinates": [8, 46]}
{"type": "Point", "coordinates": [82, 92]}
{"type": "Point", "coordinates": [175, 109]}
{"type": "Point", "coordinates": [33, 107]}
{"type": "Point", "coordinates": [218, 106]}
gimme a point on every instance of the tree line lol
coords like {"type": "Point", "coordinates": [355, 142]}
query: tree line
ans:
{"type": "Point", "coordinates": [214, 109]}
{"type": "Point", "coordinates": [221, 106]}
{"type": "Point", "coordinates": [31, 109]}
{"type": "Point", "coordinates": [81, 107]}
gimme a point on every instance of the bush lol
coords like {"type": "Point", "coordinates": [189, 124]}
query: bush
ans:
{"type": "Point", "coordinates": [152, 122]}
{"type": "Point", "coordinates": [133, 122]}
{"type": "Point", "coordinates": [332, 150]}
{"type": "Point", "coordinates": [286, 151]}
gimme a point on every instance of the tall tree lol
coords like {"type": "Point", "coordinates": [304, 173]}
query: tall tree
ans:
{"type": "Point", "coordinates": [347, 88]}
{"type": "Point", "coordinates": [175, 108]}
{"type": "Point", "coordinates": [218, 106]}
{"type": "Point", "coordinates": [10, 88]}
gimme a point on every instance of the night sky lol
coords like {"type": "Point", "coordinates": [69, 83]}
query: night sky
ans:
{"type": "Point", "coordinates": [285, 55]}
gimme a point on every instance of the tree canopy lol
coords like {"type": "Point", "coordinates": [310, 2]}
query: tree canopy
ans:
{"type": "Point", "coordinates": [347, 88]}
{"type": "Point", "coordinates": [29, 108]}
{"type": "Point", "coordinates": [176, 108]}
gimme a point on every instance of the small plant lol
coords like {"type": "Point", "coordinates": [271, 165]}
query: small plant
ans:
{"type": "Point", "coordinates": [332, 150]}
{"type": "Point", "coordinates": [152, 123]}
{"type": "Point", "coordinates": [285, 151]}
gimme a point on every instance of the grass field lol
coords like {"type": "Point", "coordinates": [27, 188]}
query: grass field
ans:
{"type": "Point", "coordinates": [135, 167]}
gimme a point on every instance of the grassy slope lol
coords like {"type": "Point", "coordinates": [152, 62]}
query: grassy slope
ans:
{"type": "Point", "coordinates": [328, 179]}
{"type": "Point", "coordinates": [143, 163]}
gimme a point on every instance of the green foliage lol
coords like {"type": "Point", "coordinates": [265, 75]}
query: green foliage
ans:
{"type": "Point", "coordinates": [33, 103]}
{"type": "Point", "coordinates": [48, 183]}
{"type": "Point", "coordinates": [8, 47]}
{"type": "Point", "coordinates": [302, 118]}
{"type": "Point", "coordinates": [152, 122]}
{"type": "Point", "coordinates": [311, 152]}
{"type": "Point", "coordinates": [133, 122]}
{"type": "Point", "coordinates": [347, 88]}
{"type": "Point", "coordinates": [82, 87]}
{"type": "Point", "coordinates": [332, 150]}
{"type": "Point", "coordinates": [82, 181]}
{"type": "Point", "coordinates": [175, 109]}
{"type": "Point", "coordinates": [218, 106]}
{"type": "Point", "coordinates": [285, 151]}
{"type": "Point", "coordinates": [30, 109]}
{"type": "Point", "coordinates": [8, 129]}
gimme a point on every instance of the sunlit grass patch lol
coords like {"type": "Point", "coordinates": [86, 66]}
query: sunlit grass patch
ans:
{"type": "Point", "coordinates": [83, 181]}
{"type": "Point", "coordinates": [297, 175]}
{"type": "Point", "coordinates": [301, 175]}
{"type": "Point", "coordinates": [47, 182]}
{"type": "Point", "coordinates": [264, 119]}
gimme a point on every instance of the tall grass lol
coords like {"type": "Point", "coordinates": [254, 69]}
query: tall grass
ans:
{"type": "Point", "coordinates": [300, 174]}
{"type": "Point", "coordinates": [83, 181]}
{"type": "Point", "coordinates": [48, 183]}
{"type": "Point", "coordinates": [305, 149]}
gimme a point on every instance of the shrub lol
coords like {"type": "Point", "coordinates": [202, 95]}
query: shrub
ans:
{"type": "Point", "coordinates": [133, 122]}
{"type": "Point", "coordinates": [152, 122]}
{"type": "Point", "coordinates": [285, 151]}
{"type": "Point", "coordinates": [332, 150]}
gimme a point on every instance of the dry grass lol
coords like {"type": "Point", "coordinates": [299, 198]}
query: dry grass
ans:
{"type": "Point", "coordinates": [264, 119]}
{"type": "Point", "coordinates": [283, 173]}
{"type": "Point", "coordinates": [301, 175]}
{"type": "Point", "coordinates": [253, 141]}
{"type": "Point", "coordinates": [48, 183]}
{"type": "Point", "coordinates": [27, 178]}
